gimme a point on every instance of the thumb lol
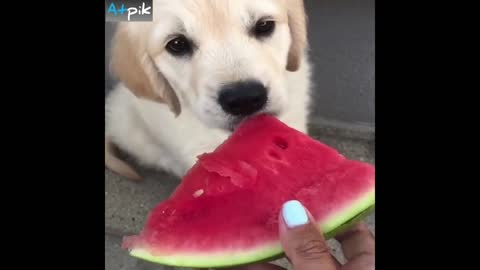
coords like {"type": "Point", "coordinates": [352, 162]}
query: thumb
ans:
{"type": "Point", "coordinates": [302, 241]}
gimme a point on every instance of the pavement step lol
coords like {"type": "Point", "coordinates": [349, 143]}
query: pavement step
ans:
{"type": "Point", "coordinates": [127, 203]}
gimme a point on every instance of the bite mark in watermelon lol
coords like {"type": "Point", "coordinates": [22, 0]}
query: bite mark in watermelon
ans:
{"type": "Point", "coordinates": [225, 211]}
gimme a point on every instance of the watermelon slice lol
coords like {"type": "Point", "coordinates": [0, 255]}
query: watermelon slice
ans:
{"type": "Point", "coordinates": [225, 211]}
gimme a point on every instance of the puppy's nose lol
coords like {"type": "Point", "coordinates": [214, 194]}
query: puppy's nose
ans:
{"type": "Point", "coordinates": [243, 98]}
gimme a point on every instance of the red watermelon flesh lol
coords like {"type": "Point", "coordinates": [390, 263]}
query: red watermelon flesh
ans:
{"type": "Point", "coordinates": [225, 211]}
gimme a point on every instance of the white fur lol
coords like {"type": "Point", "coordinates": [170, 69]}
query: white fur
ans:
{"type": "Point", "coordinates": [152, 134]}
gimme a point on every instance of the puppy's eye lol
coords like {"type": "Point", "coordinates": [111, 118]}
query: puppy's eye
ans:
{"type": "Point", "coordinates": [264, 28]}
{"type": "Point", "coordinates": [179, 46]}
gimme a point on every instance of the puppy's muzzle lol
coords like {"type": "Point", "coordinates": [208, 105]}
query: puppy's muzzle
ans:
{"type": "Point", "coordinates": [243, 98]}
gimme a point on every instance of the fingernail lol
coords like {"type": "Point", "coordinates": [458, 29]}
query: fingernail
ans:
{"type": "Point", "coordinates": [294, 214]}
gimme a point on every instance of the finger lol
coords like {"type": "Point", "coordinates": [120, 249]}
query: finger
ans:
{"type": "Point", "coordinates": [361, 262]}
{"type": "Point", "coordinates": [312, 220]}
{"type": "Point", "coordinates": [261, 266]}
{"type": "Point", "coordinates": [357, 242]}
{"type": "Point", "coordinates": [301, 240]}
{"type": "Point", "coordinates": [335, 260]}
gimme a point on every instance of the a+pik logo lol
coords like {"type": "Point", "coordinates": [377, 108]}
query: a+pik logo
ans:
{"type": "Point", "coordinates": [128, 10]}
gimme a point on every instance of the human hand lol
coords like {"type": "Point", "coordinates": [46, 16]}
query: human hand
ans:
{"type": "Point", "coordinates": [306, 248]}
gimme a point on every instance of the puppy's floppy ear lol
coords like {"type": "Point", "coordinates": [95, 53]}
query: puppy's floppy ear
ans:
{"type": "Point", "coordinates": [297, 22]}
{"type": "Point", "coordinates": [132, 64]}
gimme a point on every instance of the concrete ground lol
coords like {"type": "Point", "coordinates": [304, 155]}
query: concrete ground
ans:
{"type": "Point", "coordinates": [127, 203]}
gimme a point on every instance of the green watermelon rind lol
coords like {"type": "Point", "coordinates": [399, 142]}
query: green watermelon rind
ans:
{"type": "Point", "coordinates": [330, 227]}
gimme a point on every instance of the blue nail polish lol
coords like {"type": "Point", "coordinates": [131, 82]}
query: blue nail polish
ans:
{"type": "Point", "coordinates": [294, 214]}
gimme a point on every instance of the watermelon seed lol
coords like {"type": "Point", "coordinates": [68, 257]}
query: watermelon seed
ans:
{"type": "Point", "coordinates": [198, 193]}
{"type": "Point", "coordinates": [281, 143]}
